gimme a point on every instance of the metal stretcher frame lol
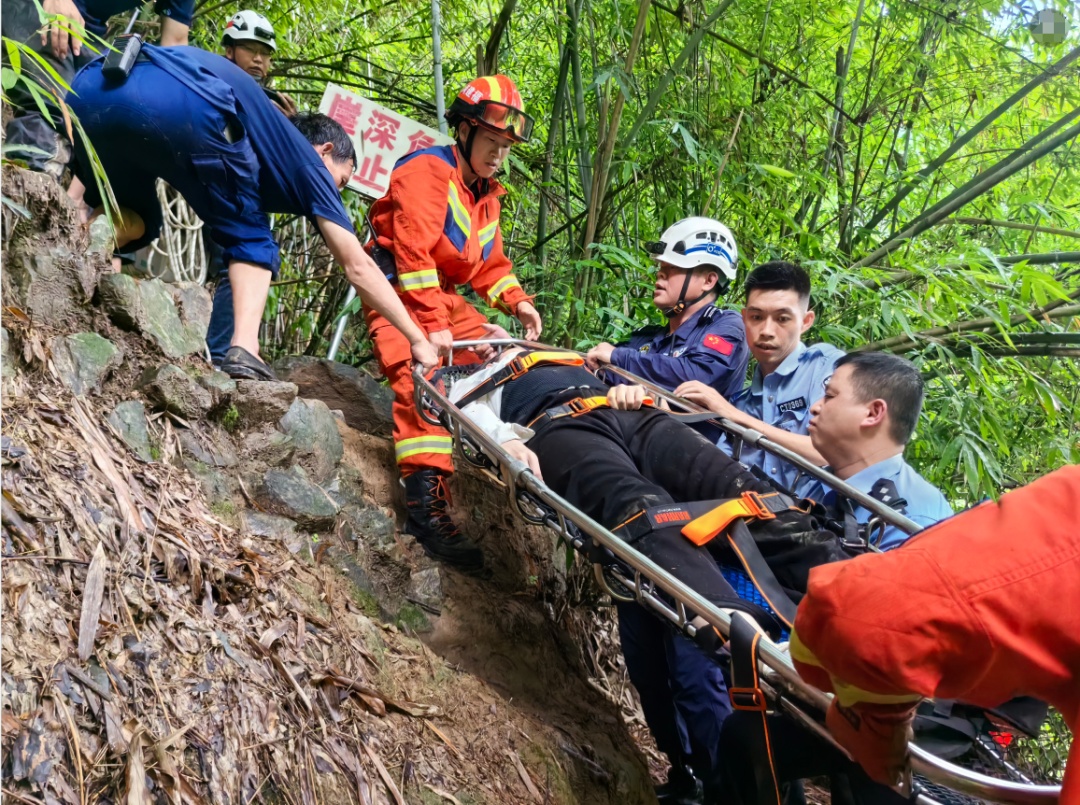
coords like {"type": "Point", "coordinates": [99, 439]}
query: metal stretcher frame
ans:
{"type": "Point", "coordinates": [647, 582]}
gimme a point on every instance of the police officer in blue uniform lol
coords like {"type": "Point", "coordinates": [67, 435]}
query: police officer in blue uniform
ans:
{"type": "Point", "coordinates": [682, 693]}
{"type": "Point", "coordinates": [861, 426]}
{"type": "Point", "coordinates": [696, 261]}
{"type": "Point", "coordinates": [203, 125]}
{"type": "Point", "coordinates": [789, 376]}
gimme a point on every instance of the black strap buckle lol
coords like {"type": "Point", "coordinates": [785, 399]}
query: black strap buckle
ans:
{"type": "Point", "coordinates": [752, 699]}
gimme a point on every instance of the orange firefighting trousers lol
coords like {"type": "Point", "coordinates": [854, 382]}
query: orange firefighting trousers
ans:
{"type": "Point", "coordinates": [417, 444]}
{"type": "Point", "coordinates": [982, 607]}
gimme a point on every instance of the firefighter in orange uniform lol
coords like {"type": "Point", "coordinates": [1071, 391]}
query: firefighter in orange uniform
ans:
{"type": "Point", "coordinates": [437, 228]}
{"type": "Point", "coordinates": [982, 607]}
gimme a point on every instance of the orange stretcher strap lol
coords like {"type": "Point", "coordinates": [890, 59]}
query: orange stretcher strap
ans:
{"type": "Point", "coordinates": [519, 366]}
{"type": "Point", "coordinates": [748, 505]}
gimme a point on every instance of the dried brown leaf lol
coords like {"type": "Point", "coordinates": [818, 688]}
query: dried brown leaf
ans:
{"type": "Point", "coordinates": [524, 775]}
{"type": "Point", "coordinates": [93, 592]}
{"type": "Point", "coordinates": [135, 791]}
{"type": "Point", "coordinates": [384, 774]}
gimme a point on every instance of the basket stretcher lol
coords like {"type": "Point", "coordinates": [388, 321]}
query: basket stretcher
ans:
{"type": "Point", "coordinates": [626, 575]}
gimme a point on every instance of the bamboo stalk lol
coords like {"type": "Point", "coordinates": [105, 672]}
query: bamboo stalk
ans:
{"type": "Point", "coordinates": [931, 217]}
{"type": "Point", "coordinates": [1054, 310]}
{"type": "Point", "coordinates": [1050, 72]}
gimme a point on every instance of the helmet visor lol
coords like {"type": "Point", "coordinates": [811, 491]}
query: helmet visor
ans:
{"type": "Point", "coordinates": [506, 119]}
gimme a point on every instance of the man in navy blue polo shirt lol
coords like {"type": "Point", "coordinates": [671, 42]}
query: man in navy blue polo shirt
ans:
{"type": "Point", "coordinates": [200, 123]}
{"type": "Point", "coordinates": [789, 376]}
{"type": "Point", "coordinates": [696, 261]}
{"type": "Point", "coordinates": [30, 136]}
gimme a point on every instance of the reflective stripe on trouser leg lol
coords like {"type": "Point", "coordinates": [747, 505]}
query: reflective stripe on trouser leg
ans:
{"type": "Point", "coordinates": [423, 445]}
{"type": "Point", "coordinates": [419, 445]}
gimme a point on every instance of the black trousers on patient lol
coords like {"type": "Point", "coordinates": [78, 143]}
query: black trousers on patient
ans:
{"type": "Point", "coordinates": [611, 464]}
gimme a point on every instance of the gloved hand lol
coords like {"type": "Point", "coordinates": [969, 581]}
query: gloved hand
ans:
{"type": "Point", "coordinates": [876, 735]}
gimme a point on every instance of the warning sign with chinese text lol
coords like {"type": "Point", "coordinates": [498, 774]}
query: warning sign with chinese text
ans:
{"type": "Point", "coordinates": [381, 137]}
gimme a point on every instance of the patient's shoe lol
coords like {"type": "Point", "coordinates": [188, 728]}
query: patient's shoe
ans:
{"type": "Point", "coordinates": [427, 500]}
{"type": "Point", "coordinates": [681, 788]}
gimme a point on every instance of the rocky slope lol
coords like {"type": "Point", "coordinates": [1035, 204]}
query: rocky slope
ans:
{"type": "Point", "coordinates": [206, 596]}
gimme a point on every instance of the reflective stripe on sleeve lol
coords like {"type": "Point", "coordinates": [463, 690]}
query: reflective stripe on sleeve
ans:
{"type": "Point", "coordinates": [846, 693]}
{"type": "Point", "coordinates": [501, 287]}
{"type": "Point", "coordinates": [418, 280]}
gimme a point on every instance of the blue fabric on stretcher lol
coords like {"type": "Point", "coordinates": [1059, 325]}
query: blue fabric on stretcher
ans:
{"type": "Point", "coordinates": [739, 579]}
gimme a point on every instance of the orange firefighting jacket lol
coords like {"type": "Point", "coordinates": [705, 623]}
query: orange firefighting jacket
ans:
{"type": "Point", "coordinates": [442, 237]}
{"type": "Point", "coordinates": [982, 607]}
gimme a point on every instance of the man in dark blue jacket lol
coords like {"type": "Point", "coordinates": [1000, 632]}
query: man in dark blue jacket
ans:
{"type": "Point", "coordinates": [695, 266]}
{"type": "Point", "coordinates": [203, 125]}
{"type": "Point", "coordinates": [65, 47]}
{"type": "Point", "coordinates": [682, 693]}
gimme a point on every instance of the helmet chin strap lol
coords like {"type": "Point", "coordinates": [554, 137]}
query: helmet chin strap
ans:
{"type": "Point", "coordinates": [682, 304]}
{"type": "Point", "coordinates": [467, 146]}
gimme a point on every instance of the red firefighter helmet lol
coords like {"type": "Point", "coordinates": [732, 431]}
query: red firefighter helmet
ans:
{"type": "Point", "coordinates": [494, 103]}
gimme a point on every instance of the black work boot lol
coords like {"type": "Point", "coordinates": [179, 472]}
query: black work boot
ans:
{"type": "Point", "coordinates": [681, 788]}
{"type": "Point", "coordinates": [427, 499]}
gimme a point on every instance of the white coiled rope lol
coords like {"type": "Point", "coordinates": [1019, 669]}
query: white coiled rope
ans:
{"type": "Point", "coordinates": [179, 249]}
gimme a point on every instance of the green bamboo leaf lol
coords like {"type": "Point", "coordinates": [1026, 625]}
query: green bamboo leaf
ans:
{"type": "Point", "coordinates": [782, 173]}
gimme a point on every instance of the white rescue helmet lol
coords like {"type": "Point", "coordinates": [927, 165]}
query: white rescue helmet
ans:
{"type": "Point", "coordinates": [249, 26]}
{"type": "Point", "coordinates": [696, 243]}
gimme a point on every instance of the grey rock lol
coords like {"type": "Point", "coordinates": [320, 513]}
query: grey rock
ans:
{"type": "Point", "coordinates": [425, 587]}
{"type": "Point", "coordinates": [83, 360]}
{"type": "Point", "coordinates": [346, 487]}
{"type": "Point", "coordinates": [129, 419]}
{"type": "Point", "coordinates": [173, 389]}
{"type": "Point", "coordinates": [268, 448]}
{"type": "Point", "coordinates": [365, 403]}
{"type": "Point", "coordinates": [261, 401]}
{"type": "Point", "coordinates": [174, 317]}
{"type": "Point", "coordinates": [8, 366]}
{"type": "Point", "coordinates": [217, 487]}
{"type": "Point", "coordinates": [261, 524]}
{"type": "Point", "coordinates": [46, 271]}
{"type": "Point", "coordinates": [207, 448]}
{"type": "Point", "coordinates": [119, 295]}
{"type": "Point", "coordinates": [313, 429]}
{"type": "Point", "coordinates": [290, 493]}
{"type": "Point", "coordinates": [220, 385]}
{"type": "Point", "coordinates": [369, 526]}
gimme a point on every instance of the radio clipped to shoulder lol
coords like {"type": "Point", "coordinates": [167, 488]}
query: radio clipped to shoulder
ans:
{"type": "Point", "coordinates": [125, 52]}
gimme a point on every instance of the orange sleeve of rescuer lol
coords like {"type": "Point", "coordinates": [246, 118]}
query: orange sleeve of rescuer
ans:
{"type": "Point", "coordinates": [417, 208]}
{"type": "Point", "coordinates": [982, 607]}
{"type": "Point", "coordinates": [495, 281]}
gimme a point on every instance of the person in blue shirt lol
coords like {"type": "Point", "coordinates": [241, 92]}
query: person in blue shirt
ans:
{"type": "Point", "coordinates": [202, 124]}
{"type": "Point", "coordinates": [696, 261]}
{"type": "Point", "coordinates": [788, 379]}
{"type": "Point", "coordinates": [30, 136]}
{"type": "Point", "coordinates": [861, 426]}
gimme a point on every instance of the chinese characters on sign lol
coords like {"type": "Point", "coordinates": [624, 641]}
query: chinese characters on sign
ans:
{"type": "Point", "coordinates": [381, 137]}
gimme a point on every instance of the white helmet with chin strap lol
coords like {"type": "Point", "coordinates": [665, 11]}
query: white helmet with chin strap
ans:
{"type": "Point", "coordinates": [249, 26]}
{"type": "Point", "coordinates": [696, 243]}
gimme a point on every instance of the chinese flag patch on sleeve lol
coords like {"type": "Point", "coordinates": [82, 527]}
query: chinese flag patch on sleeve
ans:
{"type": "Point", "coordinates": [721, 345]}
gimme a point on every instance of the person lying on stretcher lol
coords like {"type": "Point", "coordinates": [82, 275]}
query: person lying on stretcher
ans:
{"type": "Point", "coordinates": [607, 451]}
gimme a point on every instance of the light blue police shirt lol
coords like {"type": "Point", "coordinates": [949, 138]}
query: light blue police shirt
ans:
{"type": "Point", "coordinates": [925, 503]}
{"type": "Point", "coordinates": [783, 399]}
